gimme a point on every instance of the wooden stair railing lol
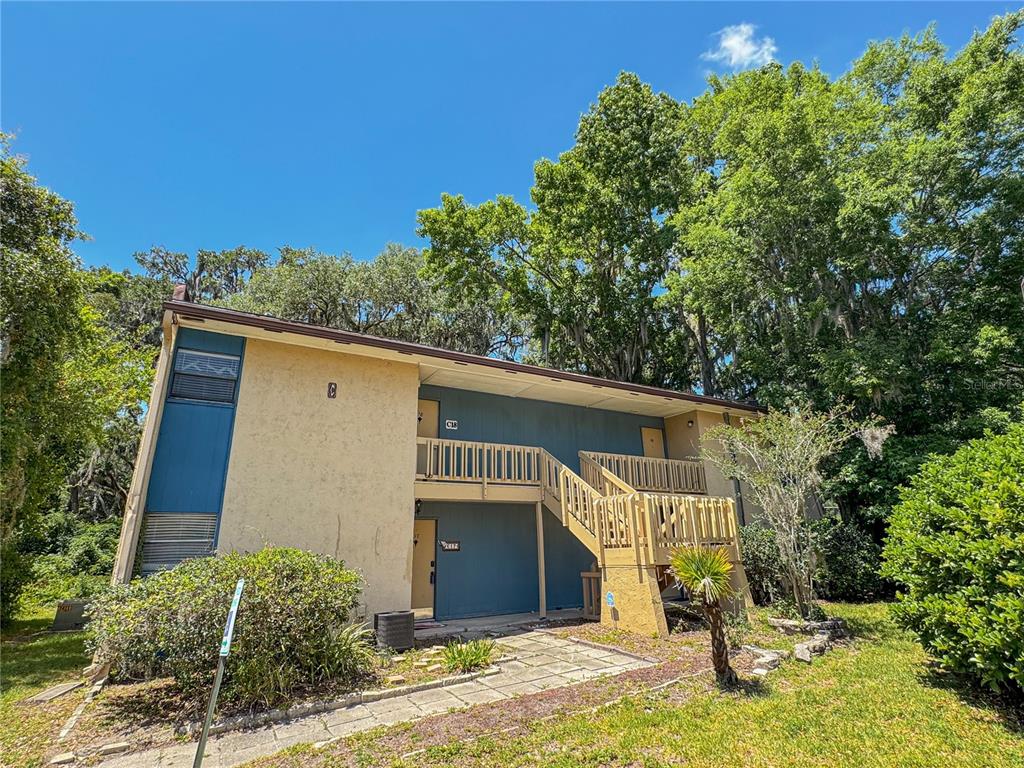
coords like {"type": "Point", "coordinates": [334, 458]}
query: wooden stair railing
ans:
{"type": "Point", "coordinates": [656, 475]}
{"type": "Point", "coordinates": [603, 510]}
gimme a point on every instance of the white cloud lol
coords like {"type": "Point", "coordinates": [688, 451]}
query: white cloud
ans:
{"type": "Point", "coordinates": [738, 48]}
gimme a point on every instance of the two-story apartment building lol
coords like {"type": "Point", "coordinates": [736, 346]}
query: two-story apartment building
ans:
{"type": "Point", "coordinates": [458, 485]}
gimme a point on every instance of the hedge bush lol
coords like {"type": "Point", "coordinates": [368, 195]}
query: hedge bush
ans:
{"type": "Point", "coordinates": [847, 566]}
{"type": "Point", "coordinates": [290, 633]}
{"type": "Point", "coordinates": [956, 550]}
{"type": "Point", "coordinates": [849, 561]}
{"type": "Point", "coordinates": [762, 564]}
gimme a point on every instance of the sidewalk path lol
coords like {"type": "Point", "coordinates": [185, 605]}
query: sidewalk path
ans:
{"type": "Point", "coordinates": [543, 662]}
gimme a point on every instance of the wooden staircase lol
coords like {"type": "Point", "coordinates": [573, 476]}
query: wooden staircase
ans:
{"type": "Point", "coordinates": [630, 532]}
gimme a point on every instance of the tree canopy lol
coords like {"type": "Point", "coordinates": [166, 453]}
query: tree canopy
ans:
{"type": "Point", "coordinates": [786, 236]}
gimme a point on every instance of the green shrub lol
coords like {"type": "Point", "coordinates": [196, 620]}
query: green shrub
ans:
{"type": "Point", "coordinates": [290, 633]}
{"type": "Point", "coordinates": [762, 563]}
{"type": "Point", "coordinates": [467, 657]}
{"type": "Point", "coordinates": [53, 580]}
{"type": "Point", "coordinates": [848, 562]}
{"type": "Point", "coordinates": [14, 574]}
{"type": "Point", "coordinates": [956, 550]}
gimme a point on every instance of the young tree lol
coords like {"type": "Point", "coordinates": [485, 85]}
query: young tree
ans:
{"type": "Point", "coordinates": [705, 573]}
{"type": "Point", "coordinates": [779, 456]}
{"type": "Point", "coordinates": [65, 375]}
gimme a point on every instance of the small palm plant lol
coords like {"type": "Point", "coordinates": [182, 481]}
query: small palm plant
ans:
{"type": "Point", "coordinates": [705, 573]}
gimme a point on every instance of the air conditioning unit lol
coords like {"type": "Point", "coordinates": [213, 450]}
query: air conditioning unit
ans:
{"type": "Point", "coordinates": [395, 629]}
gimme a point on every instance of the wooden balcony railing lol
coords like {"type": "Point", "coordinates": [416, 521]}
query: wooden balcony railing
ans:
{"type": "Point", "coordinates": [465, 461]}
{"type": "Point", "coordinates": [657, 475]}
{"type": "Point", "coordinates": [615, 515]}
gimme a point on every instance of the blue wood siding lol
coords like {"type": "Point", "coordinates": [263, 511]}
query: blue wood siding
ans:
{"type": "Point", "coordinates": [563, 430]}
{"type": "Point", "coordinates": [194, 442]}
{"type": "Point", "coordinates": [495, 570]}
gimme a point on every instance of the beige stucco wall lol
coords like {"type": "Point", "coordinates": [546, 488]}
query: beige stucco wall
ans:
{"type": "Point", "coordinates": [684, 441]}
{"type": "Point", "coordinates": [331, 476]}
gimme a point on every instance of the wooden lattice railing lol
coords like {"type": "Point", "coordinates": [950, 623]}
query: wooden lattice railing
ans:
{"type": "Point", "coordinates": [658, 475]}
{"type": "Point", "coordinates": [616, 514]}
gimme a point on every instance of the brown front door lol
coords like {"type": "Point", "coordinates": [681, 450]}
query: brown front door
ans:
{"type": "Point", "coordinates": [654, 442]}
{"type": "Point", "coordinates": [424, 536]}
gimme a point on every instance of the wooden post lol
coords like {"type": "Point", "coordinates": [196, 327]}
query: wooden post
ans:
{"type": "Point", "coordinates": [543, 602]}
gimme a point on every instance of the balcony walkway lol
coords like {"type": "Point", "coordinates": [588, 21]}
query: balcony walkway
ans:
{"type": "Point", "coordinates": [625, 526]}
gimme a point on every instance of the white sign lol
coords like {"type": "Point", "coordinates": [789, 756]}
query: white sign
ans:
{"type": "Point", "coordinates": [229, 629]}
{"type": "Point", "coordinates": [610, 599]}
{"type": "Point", "coordinates": [451, 424]}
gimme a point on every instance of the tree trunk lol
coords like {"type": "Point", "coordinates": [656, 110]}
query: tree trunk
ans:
{"type": "Point", "coordinates": [707, 381]}
{"type": "Point", "coordinates": [719, 646]}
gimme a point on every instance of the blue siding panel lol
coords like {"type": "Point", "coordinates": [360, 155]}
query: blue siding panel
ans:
{"type": "Point", "coordinates": [564, 559]}
{"type": "Point", "coordinates": [206, 341]}
{"type": "Point", "coordinates": [194, 441]}
{"type": "Point", "coordinates": [563, 430]}
{"type": "Point", "coordinates": [191, 459]}
{"type": "Point", "coordinates": [495, 570]}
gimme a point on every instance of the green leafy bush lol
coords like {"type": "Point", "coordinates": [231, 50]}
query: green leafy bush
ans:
{"type": "Point", "coordinates": [762, 564]}
{"type": "Point", "coordinates": [467, 657]}
{"type": "Point", "coordinates": [848, 562]}
{"type": "Point", "coordinates": [291, 631]}
{"type": "Point", "coordinates": [956, 550]}
{"type": "Point", "coordinates": [14, 574]}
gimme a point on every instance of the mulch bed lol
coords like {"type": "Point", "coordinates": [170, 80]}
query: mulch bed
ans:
{"type": "Point", "coordinates": [146, 714]}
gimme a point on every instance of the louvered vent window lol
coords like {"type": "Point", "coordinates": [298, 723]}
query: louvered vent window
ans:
{"type": "Point", "coordinates": [205, 376]}
{"type": "Point", "coordinates": [170, 537]}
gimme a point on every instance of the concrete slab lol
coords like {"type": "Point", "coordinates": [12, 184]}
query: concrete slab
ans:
{"type": "Point", "coordinates": [554, 663]}
{"type": "Point", "coordinates": [55, 692]}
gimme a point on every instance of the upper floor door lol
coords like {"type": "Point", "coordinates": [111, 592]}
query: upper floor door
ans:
{"type": "Point", "coordinates": [428, 412]}
{"type": "Point", "coordinates": [654, 442]}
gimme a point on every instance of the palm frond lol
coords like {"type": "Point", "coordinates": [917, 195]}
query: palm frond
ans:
{"type": "Point", "coordinates": [703, 571]}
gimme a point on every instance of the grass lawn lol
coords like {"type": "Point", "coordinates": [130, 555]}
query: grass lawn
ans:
{"type": "Point", "coordinates": [27, 666]}
{"type": "Point", "coordinates": [876, 702]}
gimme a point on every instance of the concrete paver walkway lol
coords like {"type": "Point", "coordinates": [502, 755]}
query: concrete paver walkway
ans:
{"type": "Point", "coordinates": [543, 662]}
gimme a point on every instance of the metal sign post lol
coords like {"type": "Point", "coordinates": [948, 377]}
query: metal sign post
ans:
{"type": "Point", "coordinates": [225, 649]}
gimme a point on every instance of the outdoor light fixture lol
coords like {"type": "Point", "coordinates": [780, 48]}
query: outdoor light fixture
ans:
{"type": "Point", "coordinates": [690, 423]}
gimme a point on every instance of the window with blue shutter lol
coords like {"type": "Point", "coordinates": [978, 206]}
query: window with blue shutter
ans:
{"type": "Point", "coordinates": [205, 376]}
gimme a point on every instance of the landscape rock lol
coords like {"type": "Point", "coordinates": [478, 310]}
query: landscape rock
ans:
{"type": "Point", "coordinates": [64, 758]}
{"type": "Point", "coordinates": [396, 679]}
{"type": "Point", "coordinates": [834, 627]}
{"type": "Point", "coordinates": [816, 646]}
{"type": "Point", "coordinates": [114, 748]}
{"type": "Point", "coordinates": [435, 667]}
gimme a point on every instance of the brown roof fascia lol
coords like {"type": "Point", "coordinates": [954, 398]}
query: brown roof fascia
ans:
{"type": "Point", "coordinates": [264, 322]}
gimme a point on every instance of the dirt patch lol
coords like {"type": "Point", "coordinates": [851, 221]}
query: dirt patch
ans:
{"type": "Point", "coordinates": [147, 714]}
{"type": "Point", "coordinates": [381, 746]}
{"type": "Point", "coordinates": [680, 645]}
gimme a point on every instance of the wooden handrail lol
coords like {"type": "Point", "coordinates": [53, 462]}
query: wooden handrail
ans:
{"type": "Point", "coordinates": [602, 478]}
{"type": "Point", "coordinates": [468, 461]}
{"type": "Point", "coordinates": [648, 474]}
{"type": "Point", "coordinates": [618, 515]}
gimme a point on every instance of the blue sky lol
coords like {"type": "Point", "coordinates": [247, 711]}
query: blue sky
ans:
{"type": "Point", "coordinates": [193, 125]}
